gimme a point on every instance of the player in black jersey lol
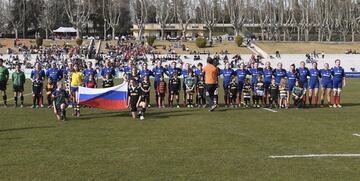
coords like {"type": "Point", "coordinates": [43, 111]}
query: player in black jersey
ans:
{"type": "Point", "coordinates": [108, 81]}
{"type": "Point", "coordinates": [145, 89]}
{"type": "Point", "coordinates": [135, 100]}
{"type": "Point", "coordinates": [174, 84]}
{"type": "Point", "coordinates": [232, 91]}
{"type": "Point", "coordinates": [274, 94]}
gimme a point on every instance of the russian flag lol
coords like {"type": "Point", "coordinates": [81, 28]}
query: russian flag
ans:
{"type": "Point", "coordinates": [113, 98]}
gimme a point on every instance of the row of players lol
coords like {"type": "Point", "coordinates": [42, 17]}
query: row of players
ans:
{"type": "Point", "coordinates": [235, 83]}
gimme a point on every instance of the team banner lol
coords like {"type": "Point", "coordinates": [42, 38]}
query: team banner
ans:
{"type": "Point", "coordinates": [114, 98]}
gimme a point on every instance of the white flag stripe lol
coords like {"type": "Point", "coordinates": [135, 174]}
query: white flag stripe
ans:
{"type": "Point", "coordinates": [121, 87]}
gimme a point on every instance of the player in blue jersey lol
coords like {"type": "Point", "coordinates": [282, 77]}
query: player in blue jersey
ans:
{"type": "Point", "coordinates": [66, 72]}
{"type": "Point", "coordinates": [255, 71]}
{"type": "Point", "coordinates": [89, 71]}
{"type": "Point", "coordinates": [199, 71]}
{"type": "Point", "coordinates": [127, 69]}
{"type": "Point", "coordinates": [145, 72]}
{"type": "Point", "coordinates": [108, 69]}
{"type": "Point", "coordinates": [158, 72]}
{"type": "Point", "coordinates": [268, 75]}
{"type": "Point", "coordinates": [326, 84]}
{"type": "Point", "coordinates": [199, 75]}
{"type": "Point", "coordinates": [185, 73]}
{"type": "Point", "coordinates": [38, 75]}
{"type": "Point", "coordinates": [339, 82]}
{"type": "Point", "coordinates": [292, 76]}
{"type": "Point", "coordinates": [314, 84]}
{"type": "Point", "coordinates": [227, 73]}
{"type": "Point", "coordinates": [279, 73]}
{"type": "Point", "coordinates": [54, 73]}
{"type": "Point", "coordinates": [241, 74]}
{"type": "Point", "coordinates": [303, 73]}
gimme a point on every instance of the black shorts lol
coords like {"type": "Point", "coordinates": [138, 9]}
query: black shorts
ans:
{"type": "Point", "coordinates": [133, 106]}
{"type": "Point", "coordinates": [161, 94]}
{"type": "Point", "coordinates": [146, 95]}
{"type": "Point", "coordinates": [2, 85]}
{"type": "Point", "coordinates": [18, 88]}
{"type": "Point", "coordinates": [174, 92]}
{"type": "Point", "coordinates": [58, 108]}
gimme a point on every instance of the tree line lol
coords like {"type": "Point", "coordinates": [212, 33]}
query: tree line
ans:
{"type": "Point", "coordinates": [277, 20]}
{"type": "Point", "coordinates": [25, 18]}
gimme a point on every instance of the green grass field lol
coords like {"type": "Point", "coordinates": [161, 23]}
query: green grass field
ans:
{"type": "Point", "coordinates": [181, 144]}
{"type": "Point", "coordinates": [307, 47]}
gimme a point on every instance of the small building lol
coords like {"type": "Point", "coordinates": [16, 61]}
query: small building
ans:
{"type": "Point", "coordinates": [171, 30]}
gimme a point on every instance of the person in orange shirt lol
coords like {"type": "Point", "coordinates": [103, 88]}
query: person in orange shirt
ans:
{"type": "Point", "coordinates": [211, 80]}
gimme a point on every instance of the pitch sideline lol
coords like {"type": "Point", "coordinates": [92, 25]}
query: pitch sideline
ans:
{"type": "Point", "coordinates": [314, 156]}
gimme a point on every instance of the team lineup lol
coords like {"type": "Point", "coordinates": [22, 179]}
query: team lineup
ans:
{"type": "Point", "coordinates": [248, 86]}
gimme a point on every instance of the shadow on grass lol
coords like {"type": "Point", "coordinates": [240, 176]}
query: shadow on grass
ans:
{"type": "Point", "coordinates": [26, 128]}
{"type": "Point", "coordinates": [163, 114]}
{"type": "Point", "coordinates": [351, 104]}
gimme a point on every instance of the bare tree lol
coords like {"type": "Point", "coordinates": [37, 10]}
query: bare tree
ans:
{"type": "Point", "coordinates": [237, 12]}
{"type": "Point", "coordinates": [139, 14]}
{"type": "Point", "coordinates": [208, 14]}
{"type": "Point", "coordinates": [163, 8]}
{"type": "Point", "coordinates": [320, 18]}
{"type": "Point", "coordinates": [3, 22]}
{"type": "Point", "coordinates": [185, 13]}
{"type": "Point", "coordinates": [263, 17]}
{"type": "Point", "coordinates": [330, 18]}
{"type": "Point", "coordinates": [48, 18]}
{"type": "Point", "coordinates": [78, 12]}
{"type": "Point", "coordinates": [112, 13]}
{"type": "Point", "coordinates": [16, 20]}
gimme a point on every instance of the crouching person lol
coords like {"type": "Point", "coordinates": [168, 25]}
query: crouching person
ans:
{"type": "Point", "coordinates": [298, 93]}
{"type": "Point", "coordinates": [61, 99]}
{"type": "Point", "coordinates": [135, 100]}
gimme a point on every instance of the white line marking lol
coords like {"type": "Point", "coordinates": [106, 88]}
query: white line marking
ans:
{"type": "Point", "coordinates": [271, 110]}
{"type": "Point", "coordinates": [356, 134]}
{"type": "Point", "coordinates": [8, 100]}
{"type": "Point", "coordinates": [316, 155]}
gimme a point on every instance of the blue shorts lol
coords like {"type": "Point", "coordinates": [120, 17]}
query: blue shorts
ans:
{"type": "Point", "coordinates": [305, 84]}
{"type": "Point", "coordinates": [240, 86]}
{"type": "Point", "coordinates": [314, 85]}
{"type": "Point", "coordinates": [337, 84]}
{"type": "Point", "coordinates": [74, 89]}
{"type": "Point", "coordinates": [327, 85]}
{"type": "Point", "coordinates": [291, 87]}
{"type": "Point", "coordinates": [267, 86]}
{"type": "Point", "coordinates": [41, 88]}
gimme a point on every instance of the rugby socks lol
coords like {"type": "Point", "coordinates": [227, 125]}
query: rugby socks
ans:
{"type": "Point", "coordinates": [226, 100]}
{"type": "Point", "coordinates": [143, 110]}
{"type": "Point", "coordinates": [5, 99]}
{"type": "Point", "coordinates": [49, 100]}
{"type": "Point", "coordinates": [310, 100]}
{"type": "Point", "coordinates": [157, 100]}
{"type": "Point", "coordinates": [335, 99]}
{"type": "Point", "coordinates": [22, 100]}
{"type": "Point", "coordinates": [42, 100]}
{"type": "Point", "coordinates": [316, 100]}
{"type": "Point", "coordinates": [304, 99]}
{"type": "Point", "coordinates": [16, 100]}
